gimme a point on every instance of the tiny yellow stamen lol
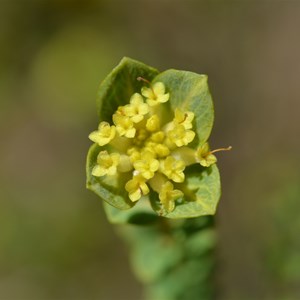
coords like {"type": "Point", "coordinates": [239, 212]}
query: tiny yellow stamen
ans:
{"type": "Point", "coordinates": [136, 188]}
{"type": "Point", "coordinates": [180, 136]}
{"type": "Point", "coordinates": [168, 195]}
{"type": "Point", "coordinates": [106, 164]}
{"type": "Point", "coordinates": [124, 125]}
{"type": "Point", "coordinates": [206, 157]}
{"type": "Point", "coordinates": [137, 109]}
{"type": "Point", "coordinates": [221, 149]}
{"type": "Point", "coordinates": [104, 134]}
{"type": "Point", "coordinates": [173, 169]}
{"type": "Point", "coordinates": [155, 94]}
{"type": "Point", "coordinates": [147, 165]}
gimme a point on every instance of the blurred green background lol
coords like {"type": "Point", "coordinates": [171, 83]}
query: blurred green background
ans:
{"type": "Point", "coordinates": [55, 242]}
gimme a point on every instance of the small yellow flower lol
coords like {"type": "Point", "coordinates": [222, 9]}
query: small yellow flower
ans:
{"type": "Point", "coordinates": [153, 123]}
{"type": "Point", "coordinates": [136, 188]}
{"type": "Point", "coordinates": [173, 169]}
{"type": "Point", "coordinates": [104, 134]}
{"type": "Point", "coordinates": [124, 125]}
{"type": "Point", "coordinates": [155, 94]}
{"type": "Point", "coordinates": [137, 109]}
{"type": "Point", "coordinates": [204, 156]}
{"type": "Point", "coordinates": [168, 195]}
{"type": "Point", "coordinates": [157, 149]}
{"type": "Point", "coordinates": [184, 118]}
{"type": "Point", "coordinates": [150, 147]}
{"type": "Point", "coordinates": [180, 136]}
{"type": "Point", "coordinates": [147, 165]}
{"type": "Point", "coordinates": [106, 164]}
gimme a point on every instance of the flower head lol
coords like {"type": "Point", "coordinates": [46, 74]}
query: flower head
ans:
{"type": "Point", "coordinates": [152, 152]}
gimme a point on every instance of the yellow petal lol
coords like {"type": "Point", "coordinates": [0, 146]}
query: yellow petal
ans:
{"type": "Point", "coordinates": [137, 118]}
{"type": "Point", "coordinates": [147, 92]}
{"type": "Point", "coordinates": [98, 171]}
{"type": "Point", "coordinates": [164, 98]}
{"type": "Point", "coordinates": [189, 136]}
{"type": "Point", "coordinates": [143, 109]}
{"type": "Point", "coordinates": [136, 188]}
{"type": "Point", "coordinates": [136, 99]}
{"type": "Point", "coordinates": [135, 196]}
{"type": "Point", "coordinates": [152, 102]}
{"type": "Point", "coordinates": [154, 165]}
{"type": "Point", "coordinates": [112, 170]}
{"type": "Point", "coordinates": [94, 137]}
{"type": "Point", "coordinates": [177, 177]}
{"type": "Point", "coordinates": [144, 188]}
{"type": "Point", "coordinates": [130, 133]}
{"type": "Point", "coordinates": [158, 88]}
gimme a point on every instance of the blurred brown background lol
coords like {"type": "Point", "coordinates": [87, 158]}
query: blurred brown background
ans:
{"type": "Point", "coordinates": [55, 242]}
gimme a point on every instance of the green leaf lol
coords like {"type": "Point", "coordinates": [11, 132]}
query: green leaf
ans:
{"type": "Point", "coordinates": [189, 91]}
{"type": "Point", "coordinates": [202, 191]}
{"type": "Point", "coordinates": [117, 88]}
{"type": "Point", "coordinates": [189, 280]}
{"type": "Point", "coordinates": [153, 253]}
{"type": "Point", "coordinates": [201, 242]}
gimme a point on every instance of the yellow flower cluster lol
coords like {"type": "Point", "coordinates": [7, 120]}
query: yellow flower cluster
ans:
{"type": "Point", "coordinates": [155, 154]}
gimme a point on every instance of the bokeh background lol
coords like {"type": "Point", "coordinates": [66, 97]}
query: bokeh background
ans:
{"type": "Point", "coordinates": [55, 242]}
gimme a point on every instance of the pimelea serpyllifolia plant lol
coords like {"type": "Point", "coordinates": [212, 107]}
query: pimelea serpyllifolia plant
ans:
{"type": "Point", "coordinates": [151, 155]}
{"type": "Point", "coordinates": [151, 143]}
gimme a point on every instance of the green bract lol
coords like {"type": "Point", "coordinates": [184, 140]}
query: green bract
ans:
{"type": "Point", "coordinates": [183, 96]}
